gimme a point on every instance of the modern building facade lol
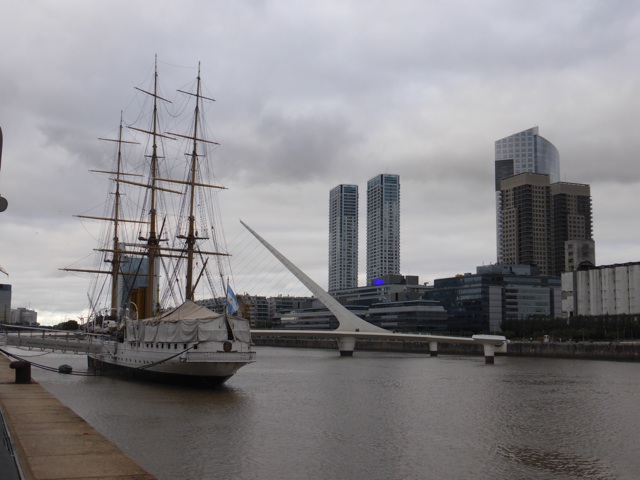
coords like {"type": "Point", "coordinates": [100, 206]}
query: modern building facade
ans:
{"type": "Point", "coordinates": [603, 290]}
{"type": "Point", "coordinates": [315, 317]}
{"type": "Point", "coordinates": [387, 288]}
{"type": "Point", "coordinates": [132, 283]}
{"type": "Point", "coordinates": [383, 226]}
{"type": "Point", "coordinates": [343, 237]}
{"type": "Point", "coordinates": [421, 315]}
{"type": "Point", "coordinates": [260, 309]}
{"type": "Point", "coordinates": [480, 302]}
{"type": "Point", "coordinates": [254, 308]}
{"type": "Point", "coordinates": [400, 316]}
{"type": "Point", "coordinates": [5, 303]}
{"type": "Point", "coordinates": [285, 303]}
{"type": "Point", "coordinates": [527, 224]}
{"type": "Point", "coordinates": [24, 316]}
{"type": "Point", "coordinates": [573, 226]}
{"type": "Point", "coordinates": [539, 218]}
{"type": "Point", "coordinates": [394, 303]}
{"type": "Point", "coordinates": [521, 152]}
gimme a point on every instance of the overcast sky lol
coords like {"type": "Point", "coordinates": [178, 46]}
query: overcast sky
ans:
{"type": "Point", "coordinates": [311, 95]}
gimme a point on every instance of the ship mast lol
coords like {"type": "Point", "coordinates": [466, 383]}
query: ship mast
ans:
{"type": "Point", "coordinates": [152, 240]}
{"type": "Point", "coordinates": [116, 260]}
{"type": "Point", "coordinates": [115, 266]}
{"type": "Point", "coordinates": [149, 308]}
{"type": "Point", "coordinates": [192, 182]}
{"type": "Point", "coordinates": [115, 219]}
{"type": "Point", "coordinates": [147, 299]}
{"type": "Point", "coordinates": [191, 236]}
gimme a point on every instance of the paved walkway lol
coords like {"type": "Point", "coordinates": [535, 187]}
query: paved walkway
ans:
{"type": "Point", "coordinates": [52, 442]}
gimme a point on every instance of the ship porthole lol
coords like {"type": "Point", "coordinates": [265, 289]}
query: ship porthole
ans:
{"type": "Point", "coordinates": [227, 346]}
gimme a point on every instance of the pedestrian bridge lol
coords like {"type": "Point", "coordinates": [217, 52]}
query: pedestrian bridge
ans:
{"type": "Point", "coordinates": [351, 327]}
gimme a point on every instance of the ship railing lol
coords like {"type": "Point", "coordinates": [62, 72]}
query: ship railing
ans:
{"type": "Point", "coordinates": [49, 339]}
{"type": "Point", "coordinates": [245, 357]}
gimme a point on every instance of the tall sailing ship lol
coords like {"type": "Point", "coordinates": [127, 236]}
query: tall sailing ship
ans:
{"type": "Point", "coordinates": [158, 258]}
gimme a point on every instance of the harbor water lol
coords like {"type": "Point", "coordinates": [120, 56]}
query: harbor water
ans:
{"type": "Point", "coordinates": [304, 413]}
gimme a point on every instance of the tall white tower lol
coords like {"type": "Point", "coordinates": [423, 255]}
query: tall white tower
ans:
{"type": "Point", "coordinates": [383, 226]}
{"type": "Point", "coordinates": [343, 237]}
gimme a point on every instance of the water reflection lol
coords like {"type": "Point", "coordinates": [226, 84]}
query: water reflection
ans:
{"type": "Point", "coordinates": [558, 463]}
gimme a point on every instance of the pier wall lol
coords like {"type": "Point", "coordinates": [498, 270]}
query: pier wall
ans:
{"type": "Point", "coordinates": [369, 345]}
{"type": "Point", "coordinates": [627, 352]}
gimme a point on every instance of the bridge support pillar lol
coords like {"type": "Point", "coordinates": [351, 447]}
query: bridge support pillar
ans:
{"type": "Point", "coordinates": [433, 349]}
{"type": "Point", "coordinates": [346, 345]}
{"type": "Point", "coordinates": [489, 352]}
{"type": "Point", "coordinates": [501, 349]}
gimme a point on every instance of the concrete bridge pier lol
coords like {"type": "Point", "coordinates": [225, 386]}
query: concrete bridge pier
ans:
{"type": "Point", "coordinates": [433, 349]}
{"type": "Point", "coordinates": [501, 349]}
{"type": "Point", "coordinates": [346, 345]}
{"type": "Point", "coordinates": [489, 353]}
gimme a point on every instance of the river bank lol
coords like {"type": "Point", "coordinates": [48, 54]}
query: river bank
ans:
{"type": "Point", "coordinates": [619, 351]}
{"type": "Point", "coordinates": [44, 439]}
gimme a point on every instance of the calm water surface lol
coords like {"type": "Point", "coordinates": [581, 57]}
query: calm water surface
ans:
{"type": "Point", "coordinates": [299, 413]}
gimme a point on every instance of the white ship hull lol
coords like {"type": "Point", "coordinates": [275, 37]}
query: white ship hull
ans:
{"type": "Point", "coordinates": [210, 364]}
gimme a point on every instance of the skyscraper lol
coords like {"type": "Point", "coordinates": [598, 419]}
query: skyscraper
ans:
{"type": "Point", "coordinates": [522, 152]}
{"type": "Point", "coordinates": [343, 237]}
{"type": "Point", "coordinates": [573, 226]}
{"type": "Point", "coordinates": [543, 222]}
{"type": "Point", "coordinates": [527, 224]}
{"type": "Point", "coordinates": [383, 226]}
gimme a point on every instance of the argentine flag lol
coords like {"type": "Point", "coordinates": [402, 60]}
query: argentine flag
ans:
{"type": "Point", "coordinates": [232, 301]}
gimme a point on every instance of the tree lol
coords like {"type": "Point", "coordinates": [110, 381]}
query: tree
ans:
{"type": "Point", "coordinates": [68, 325]}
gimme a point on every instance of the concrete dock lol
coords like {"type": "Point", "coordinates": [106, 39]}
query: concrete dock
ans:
{"type": "Point", "coordinates": [51, 442]}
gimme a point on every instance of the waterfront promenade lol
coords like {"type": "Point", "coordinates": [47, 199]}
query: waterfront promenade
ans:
{"type": "Point", "coordinates": [51, 442]}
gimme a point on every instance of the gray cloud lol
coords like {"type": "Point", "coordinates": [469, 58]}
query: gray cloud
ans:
{"type": "Point", "coordinates": [311, 95]}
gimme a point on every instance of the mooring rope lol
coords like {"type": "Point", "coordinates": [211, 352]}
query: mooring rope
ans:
{"type": "Point", "coordinates": [103, 374]}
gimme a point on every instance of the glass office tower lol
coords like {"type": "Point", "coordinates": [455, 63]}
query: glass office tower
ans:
{"type": "Point", "coordinates": [523, 152]}
{"type": "Point", "coordinates": [343, 237]}
{"type": "Point", "coordinates": [383, 226]}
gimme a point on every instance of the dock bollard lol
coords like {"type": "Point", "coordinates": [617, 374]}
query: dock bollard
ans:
{"type": "Point", "coordinates": [23, 371]}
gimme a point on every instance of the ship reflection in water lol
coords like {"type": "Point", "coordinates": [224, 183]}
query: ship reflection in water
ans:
{"type": "Point", "coordinates": [311, 414]}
